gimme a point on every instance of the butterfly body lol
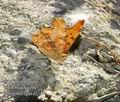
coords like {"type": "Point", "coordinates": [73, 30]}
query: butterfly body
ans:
{"type": "Point", "coordinates": [56, 41]}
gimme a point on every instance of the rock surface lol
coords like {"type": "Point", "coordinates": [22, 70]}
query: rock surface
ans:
{"type": "Point", "coordinates": [26, 75]}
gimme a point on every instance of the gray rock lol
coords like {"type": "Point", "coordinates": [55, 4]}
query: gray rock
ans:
{"type": "Point", "coordinates": [15, 31]}
{"type": "Point", "coordinates": [10, 52]}
{"type": "Point", "coordinates": [56, 98]}
{"type": "Point", "coordinates": [82, 76]}
{"type": "Point", "coordinates": [48, 93]}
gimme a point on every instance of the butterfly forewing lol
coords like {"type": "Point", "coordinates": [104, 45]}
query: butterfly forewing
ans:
{"type": "Point", "coordinates": [72, 33]}
{"type": "Point", "coordinates": [55, 41]}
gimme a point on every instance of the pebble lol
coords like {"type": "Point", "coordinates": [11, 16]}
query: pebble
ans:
{"type": "Point", "coordinates": [22, 40]}
{"type": "Point", "coordinates": [15, 31]}
{"type": "Point", "coordinates": [93, 97]}
{"type": "Point", "coordinates": [48, 93]}
{"type": "Point", "coordinates": [10, 52]}
{"type": "Point", "coordinates": [63, 95]}
{"type": "Point", "coordinates": [42, 97]}
{"type": "Point", "coordinates": [56, 98]}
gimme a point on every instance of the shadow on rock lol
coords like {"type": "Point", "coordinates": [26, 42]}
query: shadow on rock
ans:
{"type": "Point", "coordinates": [115, 23]}
{"type": "Point", "coordinates": [116, 4]}
{"type": "Point", "coordinates": [63, 6]}
{"type": "Point", "coordinates": [32, 78]}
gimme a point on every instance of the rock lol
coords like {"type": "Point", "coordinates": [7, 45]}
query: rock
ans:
{"type": "Point", "coordinates": [48, 93]}
{"type": "Point", "coordinates": [15, 31]}
{"type": "Point", "coordinates": [42, 97]}
{"type": "Point", "coordinates": [82, 76]}
{"type": "Point", "coordinates": [25, 35]}
{"type": "Point", "coordinates": [93, 98]}
{"type": "Point", "coordinates": [56, 98]}
{"type": "Point", "coordinates": [22, 40]}
{"type": "Point", "coordinates": [63, 95]}
{"type": "Point", "coordinates": [10, 52]}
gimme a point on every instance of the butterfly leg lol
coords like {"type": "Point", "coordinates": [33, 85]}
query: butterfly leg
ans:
{"type": "Point", "coordinates": [48, 69]}
{"type": "Point", "coordinates": [44, 72]}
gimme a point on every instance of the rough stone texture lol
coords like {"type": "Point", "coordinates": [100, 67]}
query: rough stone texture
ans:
{"type": "Point", "coordinates": [26, 75]}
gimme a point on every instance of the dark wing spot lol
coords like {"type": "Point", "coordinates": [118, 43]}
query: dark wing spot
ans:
{"type": "Point", "coordinates": [68, 43]}
{"type": "Point", "coordinates": [66, 36]}
{"type": "Point", "coordinates": [72, 38]}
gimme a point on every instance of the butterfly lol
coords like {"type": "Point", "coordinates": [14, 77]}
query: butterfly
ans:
{"type": "Point", "coordinates": [55, 41]}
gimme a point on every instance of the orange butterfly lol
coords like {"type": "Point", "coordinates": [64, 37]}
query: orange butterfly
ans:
{"type": "Point", "coordinates": [56, 41]}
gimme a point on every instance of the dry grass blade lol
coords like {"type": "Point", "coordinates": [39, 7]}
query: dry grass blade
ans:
{"type": "Point", "coordinates": [105, 97]}
{"type": "Point", "coordinates": [99, 45]}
